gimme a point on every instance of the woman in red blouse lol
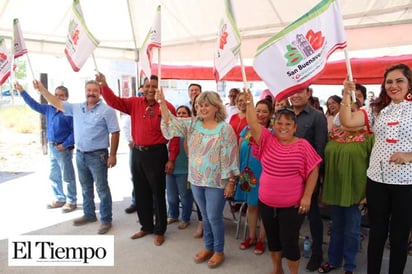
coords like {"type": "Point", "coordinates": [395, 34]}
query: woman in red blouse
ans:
{"type": "Point", "coordinates": [238, 121]}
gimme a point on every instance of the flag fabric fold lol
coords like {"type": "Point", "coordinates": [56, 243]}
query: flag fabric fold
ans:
{"type": "Point", "coordinates": [5, 62]}
{"type": "Point", "coordinates": [80, 42]}
{"type": "Point", "coordinates": [19, 44]}
{"type": "Point", "coordinates": [228, 44]}
{"type": "Point", "coordinates": [292, 59]}
{"type": "Point", "coordinates": [153, 40]}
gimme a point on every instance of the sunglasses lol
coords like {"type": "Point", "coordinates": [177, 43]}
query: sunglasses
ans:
{"type": "Point", "coordinates": [148, 112]}
{"type": "Point", "coordinates": [285, 110]}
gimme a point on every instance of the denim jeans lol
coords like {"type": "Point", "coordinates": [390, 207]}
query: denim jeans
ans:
{"type": "Point", "coordinates": [177, 188]}
{"type": "Point", "coordinates": [61, 169]}
{"type": "Point", "coordinates": [92, 167]}
{"type": "Point", "coordinates": [211, 203]}
{"type": "Point", "coordinates": [345, 236]}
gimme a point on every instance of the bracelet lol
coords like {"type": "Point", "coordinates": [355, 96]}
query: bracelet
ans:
{"type": "Point", "coordinates": [346, 104]}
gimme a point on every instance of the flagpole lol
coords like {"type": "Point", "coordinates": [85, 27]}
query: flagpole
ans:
{"type": "Point", "coordinates": [159, 67]}
{"type": "Point", "coordinates": [136, 55]}
{"type": "Point", "coordinates": [242, 69]}
{"type": "Point", "coordinates": [12, 70]}
{"type": "Point", "coordinates": [95, 64]}
{"type": "Point", "coordinates": [349, 69]}
{"type": "Point", "coordinates": [31, 68]}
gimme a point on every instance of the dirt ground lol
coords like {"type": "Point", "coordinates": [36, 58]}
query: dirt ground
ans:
{"type": "Point", "coordinates": [19, 153]}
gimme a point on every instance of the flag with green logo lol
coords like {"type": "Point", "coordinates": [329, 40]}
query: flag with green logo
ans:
{"type": "Point", "coordinates": [153, 40]}
{"type": "Point", "coordinates": [293, 58]}
{"type": "Point", "coordinates": [80, 42]}
{"type": "Point", "coordinates": [19, 44]}
{"type": "Point", "coordinates": [5, 62]}
{"type": "Point", "coordinates": [228, 44]}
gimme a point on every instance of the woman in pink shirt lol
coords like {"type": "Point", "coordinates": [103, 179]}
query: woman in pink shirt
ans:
{"type": "Point", "coordinates": [289, 174]}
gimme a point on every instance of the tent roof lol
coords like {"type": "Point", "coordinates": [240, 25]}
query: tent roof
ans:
{"type": "Point", "coordinates": [189, 27]}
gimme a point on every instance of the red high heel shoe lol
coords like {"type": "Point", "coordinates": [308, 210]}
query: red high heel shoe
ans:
{"type": "Point", "coordinates": [247, 243]}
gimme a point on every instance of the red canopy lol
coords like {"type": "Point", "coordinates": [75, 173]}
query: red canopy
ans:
{"type": "Point", "coordinates": [364, 70]}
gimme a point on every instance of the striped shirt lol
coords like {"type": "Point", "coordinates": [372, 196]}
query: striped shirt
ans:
{"type": "Point", "coordinates": [285, 169]}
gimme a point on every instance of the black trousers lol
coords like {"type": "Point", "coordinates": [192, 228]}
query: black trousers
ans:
{"type": "Point", "coordinates": [389, 211]}
{"type": "Point", "coordinates": [316, 224]}
{"type": "Point", "coordinates": [282, 226]}
{"type": "Point", "coordinates": [149, 182]}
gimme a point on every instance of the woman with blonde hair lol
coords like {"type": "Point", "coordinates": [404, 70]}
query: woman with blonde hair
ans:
{"type": "Point", "coordinates": [213, 165]}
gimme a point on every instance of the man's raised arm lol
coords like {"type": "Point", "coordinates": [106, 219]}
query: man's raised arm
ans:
{"type": "Point", "coordinates": [55, 101]}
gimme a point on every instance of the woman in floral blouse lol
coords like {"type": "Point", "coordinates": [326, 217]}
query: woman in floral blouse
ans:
{"type": "Point", "coordinates": [213, 165]}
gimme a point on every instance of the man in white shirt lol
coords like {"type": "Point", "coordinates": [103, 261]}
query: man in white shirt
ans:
{"type": "Point", "coordinates": [231, 107]}
{"type": "Point", "coordinates": [193, 90]}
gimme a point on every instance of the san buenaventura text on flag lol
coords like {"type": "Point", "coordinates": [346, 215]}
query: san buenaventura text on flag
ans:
{"type": "Point", "coordinates": [293, 58]}
{"type": "Point", "coordinates": [228, 44]}
{"type": "Point", "coordinates": [80, 42]}
{"type": "Point", "coordinates": [5, 62]}
{"type": "Point", "coordinates": [19, 44]}
{"type": "Point", "coordinates": [152, 40]}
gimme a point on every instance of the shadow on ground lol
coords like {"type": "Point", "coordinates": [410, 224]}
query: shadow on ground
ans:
{"type": "Point", "coordinates": [9, 175]}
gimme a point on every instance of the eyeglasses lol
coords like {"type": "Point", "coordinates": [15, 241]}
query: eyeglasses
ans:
{"type": "Point", "coordinates": [148, 112]}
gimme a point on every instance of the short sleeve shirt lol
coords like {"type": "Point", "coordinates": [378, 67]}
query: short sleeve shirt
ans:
{"type": "Point", "coordinates": [393, 133]}
{"type": "Point", "coordinates": [92, 126]}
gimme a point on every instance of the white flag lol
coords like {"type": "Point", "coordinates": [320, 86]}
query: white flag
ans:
{"type": "Point", "coordinates": [228, 44]}
{"type": "Point", "coordinates": [153, 40]}
{"type": "Point", "coordinates": [80, 42]}
{"type": "Point", "coordinates": [19, 44]}
{"type": "Point", "coordinates": [292, 59]}
{"type": "Point", "coordinates": [5, 62]}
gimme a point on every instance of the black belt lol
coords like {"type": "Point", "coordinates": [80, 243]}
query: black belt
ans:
{"type": "Point", "coordinates": [97, 150]}
{"type": "Point", "coordinates": [55, 144]}
{"type": "Point", "coordinates": [148, 148]}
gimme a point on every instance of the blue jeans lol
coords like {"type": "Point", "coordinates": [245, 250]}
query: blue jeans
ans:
{"type": "Point", "coordinates": [61, 169]}
{"type": "Point", "coordinates": [211, 203]}
{"type": "Point", "coordinates": [345, 236]}
{"type": "Point", "coordinates": [177, 187]}
{"type": "Point", "coordinates": [92, 167]}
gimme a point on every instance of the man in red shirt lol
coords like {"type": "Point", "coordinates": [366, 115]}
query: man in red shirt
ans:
{"type": "Point", "coordinates": [150, 160]}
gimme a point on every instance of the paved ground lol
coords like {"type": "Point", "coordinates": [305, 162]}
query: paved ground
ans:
{"type": "Point", "coordinates": [23, 201]}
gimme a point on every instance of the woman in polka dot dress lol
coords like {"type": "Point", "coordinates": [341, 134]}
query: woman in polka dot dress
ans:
{"type": "Point", "coordinates": [389, 186]}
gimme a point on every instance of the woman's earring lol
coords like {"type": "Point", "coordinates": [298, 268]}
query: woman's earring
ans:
{"type": "Point", "coordinates": [408, 96]}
